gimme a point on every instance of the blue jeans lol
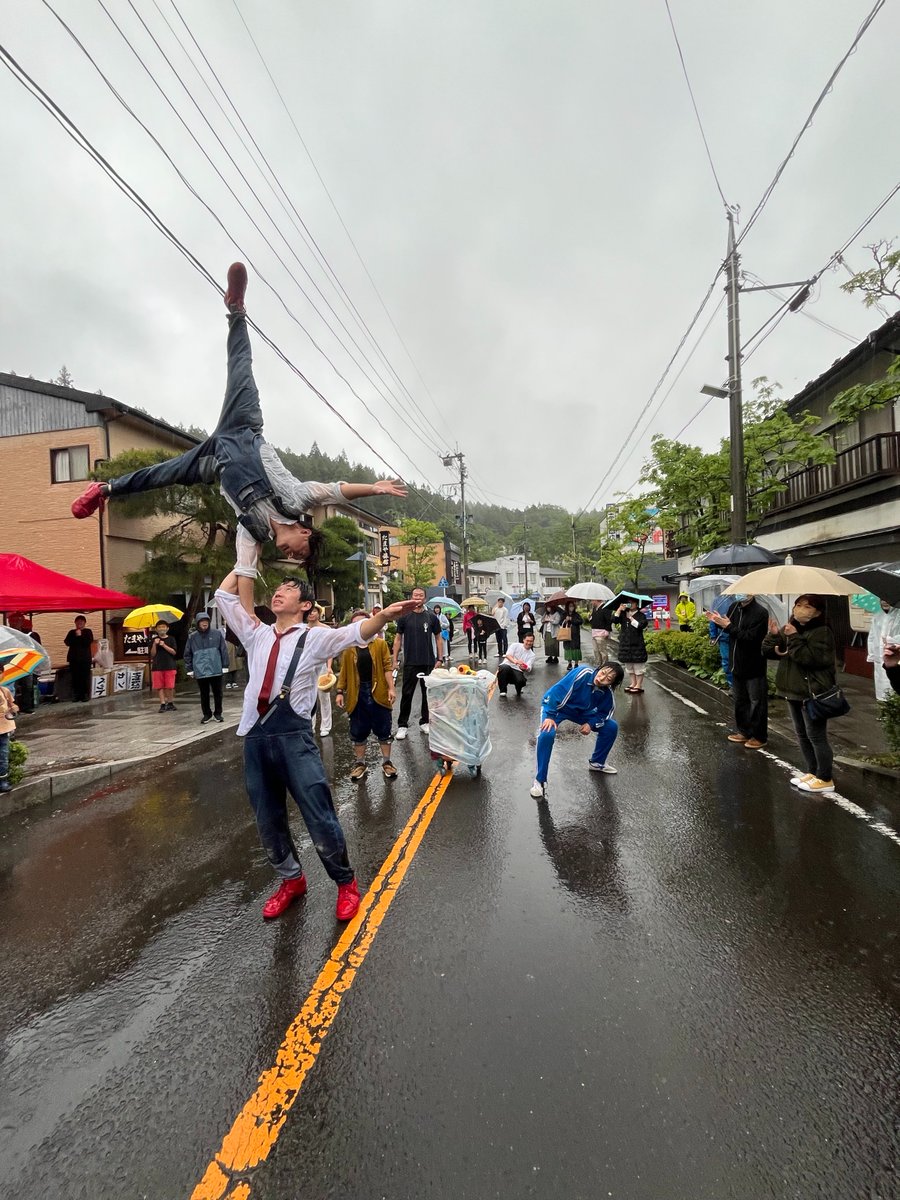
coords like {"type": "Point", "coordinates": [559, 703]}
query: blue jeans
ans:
{"type": "Point", "coordinates": [4, 753]}
{"type": "Point", "coordinates": [606, 736]}
{"type": "Point", "coordinates": [502, 641]}
{"type": "Point", "coordinates": [724, 645]}
{"type": "Point", "coordinates": [231, 454]}
{"type": "Point", "coordinates": [280, 757]}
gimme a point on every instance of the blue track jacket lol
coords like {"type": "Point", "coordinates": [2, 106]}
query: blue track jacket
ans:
{"type": "Point", "coordinates": [574, 698]}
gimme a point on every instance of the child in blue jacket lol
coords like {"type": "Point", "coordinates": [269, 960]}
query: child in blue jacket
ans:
{"type": "Point", "coordinates": [586, 698]}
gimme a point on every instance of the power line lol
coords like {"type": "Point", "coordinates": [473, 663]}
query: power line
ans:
{"type": "Point", "coordinates": [338, 214]}
{"type": "Point", "coordinates": [780, 313]}
{"type": "Point", "coordinates": [209, 209]}
{"type": "Point", "coordinates": [657, 386]}
{"type": "Point", "coordinates": [712, 165]}
{"type": "Point", "coordinates": [754, 216]}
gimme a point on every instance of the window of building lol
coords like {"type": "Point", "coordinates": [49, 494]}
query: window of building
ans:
{"type": "Point", "coordinates": [69, 465]}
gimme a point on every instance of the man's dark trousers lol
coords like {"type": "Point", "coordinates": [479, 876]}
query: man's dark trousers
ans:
{"type": "Point", "coordinates": [507, 675]}
{"type": "Point", "coordinates": [502, 641]}
{"type": "Point", "coordinates": [411, 678]}
{"type": "Point", "coordinates": [281, 756]}
{"type": "Point", "coordinates": [751, 707]}
{"type": "Point", "coordinates": [214, 683]}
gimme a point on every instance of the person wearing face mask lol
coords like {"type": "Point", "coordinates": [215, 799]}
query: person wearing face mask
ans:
{"type": "Point", "coordinates": [807, 661]}
{"type": "Point", "coordinates": [746, 624]}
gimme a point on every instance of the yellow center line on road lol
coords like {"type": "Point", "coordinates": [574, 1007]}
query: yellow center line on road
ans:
{"type": "Point", "coordinates": [258, 1124]}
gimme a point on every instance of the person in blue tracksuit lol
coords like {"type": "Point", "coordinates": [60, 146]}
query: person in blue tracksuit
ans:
{"type": "Point", "coordinates": [586, 698]}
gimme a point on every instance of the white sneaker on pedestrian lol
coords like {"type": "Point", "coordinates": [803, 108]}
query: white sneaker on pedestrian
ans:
{"type": "Point", "coordinates": [537, 790]}
{"type": "Point", "coordinates": [801, 780]}
{"type": "Point", "coordinates": [603, 767]}
{"type": "Point", "coordinates": [400, 735]}
{"type": "Point", "coordinates": [425, 728]}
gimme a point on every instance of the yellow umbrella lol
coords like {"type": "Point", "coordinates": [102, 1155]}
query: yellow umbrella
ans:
{"type": "Point", "coordinates": [478, 601]}
{"type": "Point", "coordinates": [147, 616]}
{"type": "Point", "coordinates": [793, 581]}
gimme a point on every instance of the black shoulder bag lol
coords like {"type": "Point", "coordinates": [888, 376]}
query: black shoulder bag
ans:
{"type": "Point", "coordinates": [285, 689]}
{"type": "Point", "coordinates": [827, 704]}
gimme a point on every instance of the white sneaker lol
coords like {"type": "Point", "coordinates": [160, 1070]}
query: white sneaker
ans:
{"type": "Point", "coordinates": [537, 790]}
{"type": "Point", "coordinates": [801, 781]}
{"type": "Point", "coordinates": [425, 728]}
{"type": "Point", "coordinates": [400, 735]}
{"type": "Point", "coordinates": [603, 767]}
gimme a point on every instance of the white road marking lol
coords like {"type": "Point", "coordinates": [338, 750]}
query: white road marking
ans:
{"type": "Point", "coordinates": [683, 699]}
{"type": "Point", "coordinates": [841, 801]}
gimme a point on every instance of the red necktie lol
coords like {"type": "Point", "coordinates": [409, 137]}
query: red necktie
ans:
{"type": "Point", "coordinates": [269, 678]}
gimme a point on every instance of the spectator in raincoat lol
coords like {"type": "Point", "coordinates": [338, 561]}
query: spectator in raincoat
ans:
{"type": "Point", "coordinates": [885, 628]}
{"type": "Point", "coordinates": [206, 658]}
{"type": "Point", "coordinates": [685, 611]}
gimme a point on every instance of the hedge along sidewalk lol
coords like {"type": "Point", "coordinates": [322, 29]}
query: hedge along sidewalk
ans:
{"type": "Point", "coordinates": [859, 732]}
{"type": "Point", "coordinates": [71, 745]}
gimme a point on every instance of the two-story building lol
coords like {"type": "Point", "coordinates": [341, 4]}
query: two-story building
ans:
{"type": "Point", "coordinates": [848, 513]}
{"type": "Point", "coordinates": [511, 573]}
{"type": "Point", "coordinates": [51, 438]}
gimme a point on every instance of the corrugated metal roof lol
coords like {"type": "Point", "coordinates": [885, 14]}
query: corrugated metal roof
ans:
{"type": "Point", "coordinates": [21, 412]}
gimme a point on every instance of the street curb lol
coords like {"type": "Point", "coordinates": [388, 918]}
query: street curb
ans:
{"type": "Point", "coordinates": [31, 792]}
{"type": "Point", "coordinates": [675, 674]}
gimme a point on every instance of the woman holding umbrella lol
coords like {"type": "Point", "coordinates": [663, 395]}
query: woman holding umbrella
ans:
{"type": "Point", "coordinates": [571, 620]}
{"type": "Point", "coordinates": [807, 661]}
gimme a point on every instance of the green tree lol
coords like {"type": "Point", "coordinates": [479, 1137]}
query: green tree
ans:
{"type": "Point", "coordinates": [623, 545]}
{"type": "Point", "coordinates": [419, 537]}
{"type": "Point", "coordinates": [878, 283]}
{"type": "Point", "coordinates": [197, 542]}
{"type": "Point", "coordinates": [697, 485]}
{"type": "Point", "coordinates": [64, 379]}
{"type": "Point", "coordinates": [342, 539]}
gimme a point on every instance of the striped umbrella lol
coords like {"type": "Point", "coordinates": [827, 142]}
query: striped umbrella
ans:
{"type": "Point", "coordinates": [16, 664]}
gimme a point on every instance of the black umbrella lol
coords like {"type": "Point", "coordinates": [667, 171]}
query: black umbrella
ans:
{"type": "Point", "coordinates": [882, 579]}
{"type": "Point", "coordinates": [737, 555]}
{"type": "Point", "coordinates": [488, 624]}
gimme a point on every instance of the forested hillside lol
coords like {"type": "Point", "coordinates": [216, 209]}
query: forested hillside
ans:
{"type": "Point", "coordinates": [545, 530]}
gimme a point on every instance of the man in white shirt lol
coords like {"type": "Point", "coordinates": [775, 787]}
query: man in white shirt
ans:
{"type": "Point", "coordinates": [269, 502]}
{"type": "Point", "coordinates": [500, 613]}
{"type": "Point", "coordinates": [280, 753]}
{"type": "Point", "coordinates": [516, 665]}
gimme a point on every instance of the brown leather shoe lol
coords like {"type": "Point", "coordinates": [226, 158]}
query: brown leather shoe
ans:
{"type": "Point", "coordinates": [753, 744]}
{"type": "Point", "coordinates": [736, 737]}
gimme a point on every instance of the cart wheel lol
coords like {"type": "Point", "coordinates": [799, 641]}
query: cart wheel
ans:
{"type": "Point", "coordinates": [475, 772]}
{"type": "Point", "coordinates": [446, 767]}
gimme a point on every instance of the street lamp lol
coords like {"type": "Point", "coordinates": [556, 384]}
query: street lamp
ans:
{"type": "Point", "coordinates": [709, 390]}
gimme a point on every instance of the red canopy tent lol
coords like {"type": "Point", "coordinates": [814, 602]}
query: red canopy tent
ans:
{"type": "Point", "coordinates": [27, 587]}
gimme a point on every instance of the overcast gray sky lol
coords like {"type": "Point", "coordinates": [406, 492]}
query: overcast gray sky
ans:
{"type": "Point", "coordinates": [525, 182]}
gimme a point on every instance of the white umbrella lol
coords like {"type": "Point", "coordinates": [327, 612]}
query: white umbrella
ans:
{"type": "Point", "coordinates": [589, 591]}
{"type": "Point", "coordinates": [793, 581]}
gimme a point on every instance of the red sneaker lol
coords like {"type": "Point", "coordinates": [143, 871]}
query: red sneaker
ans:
{"type": "Point", "coordinates": [237, 286]}
{"type": "Point", "coordinates": [91, 499]}
{"type": "Point", "coordinates": [288, 891]}
{"type": "Point", "coordinates": [347, 901]}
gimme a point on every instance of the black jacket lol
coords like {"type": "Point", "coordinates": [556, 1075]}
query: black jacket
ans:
{"type": "Point", "coordinates": [602, 618]}
{"type": "Point", "coordinates": [808, 660]}
{"type": "Point", "coordinates": [749, 625]}
{"type": "Point", "coordinates": [79, 652]}
{"type": "Point", "coordinates": [631, 640]}
{"type": "Point", "coordinates": [893, 674]}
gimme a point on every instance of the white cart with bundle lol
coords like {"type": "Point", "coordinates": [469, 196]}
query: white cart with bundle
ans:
{"type": "Point", "coordinates": [459, 717]}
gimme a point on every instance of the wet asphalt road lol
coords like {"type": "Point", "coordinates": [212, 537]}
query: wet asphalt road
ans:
{"type": "Point", "coordinates": [681, 981]}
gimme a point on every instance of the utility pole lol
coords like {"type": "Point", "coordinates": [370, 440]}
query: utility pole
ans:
{"type": "Point", "coordinates": [448, 460]}
{"type": "Point", "coordinates": [574, 551]}
{"type": "Point", "coordinates": [525, 552]}
{"type": "Point", "coordinates": [735, 396]}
